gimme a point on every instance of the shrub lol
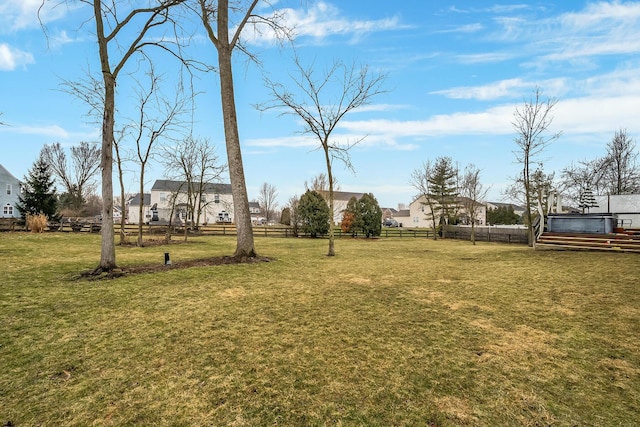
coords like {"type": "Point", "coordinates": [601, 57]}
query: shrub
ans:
{"type": "Point", "coordinates": [37, 223]}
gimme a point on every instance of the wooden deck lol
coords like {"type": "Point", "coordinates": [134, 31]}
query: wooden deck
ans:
{"type": "Point", "coordinates": [627, 241]}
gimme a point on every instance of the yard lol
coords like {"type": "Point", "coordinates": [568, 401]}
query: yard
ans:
{"type": "Point", "coordinates": [389, 332]}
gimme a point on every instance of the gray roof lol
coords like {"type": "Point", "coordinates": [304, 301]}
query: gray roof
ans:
{"type": "Point", "coordinates": [341, 195]}
{"type": "Point", "coordinates": [179, 186]}
{"type": "Point", "coordinates": [4, 171]}
{"type": "Point", "coordinates": [135, 201]}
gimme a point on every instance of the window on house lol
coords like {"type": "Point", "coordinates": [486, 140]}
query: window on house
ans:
{"type": "Point", "coordinates": [8, 210]}
{"type": "Point", "coordinates": [216, 198]}
{"type": "Point", "coordinates": [203, 198]}
{"type": "Point", "coordinates": [9, 189]}
{"type": "Point", "coordinates": [416, 220]}
{"type": "Point", "coordinates": [163, 197]}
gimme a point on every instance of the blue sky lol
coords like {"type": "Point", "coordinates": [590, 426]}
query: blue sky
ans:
{"type": "Point", "coordinates": [456, 71]}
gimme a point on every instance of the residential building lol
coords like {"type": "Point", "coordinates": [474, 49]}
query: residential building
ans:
{"type": "Point", "coordinates": [168, 197]}
{"type": "Point", "coordinates": [419, 214]}
{"type": "Point", "coordinates": [256, 213]}
{"type": "Point", "coordinates": [340, 201]}
{"type": "Point", "coordinates": [9, 193]}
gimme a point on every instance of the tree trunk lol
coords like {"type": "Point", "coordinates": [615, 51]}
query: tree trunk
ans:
{"type": "Point", "coordinates": [245, 245]}
{"type": "Point", "coordinates": [141, 207]}
{"type": "Point", "coordinates": [107, 250]}
{"type": "Point", "coordinates": [332, 248]}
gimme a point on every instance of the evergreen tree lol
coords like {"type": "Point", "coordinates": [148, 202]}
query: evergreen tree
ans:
{"type": "Point", "coordinates": [38, 193]}
{"type": "Point", "coordinates": [444, 189]}
{"type": "Point", "coordinates": [502, 215]}
{"type": "Point", "coordinates": [370, 215]}
{"type": "Point", "coordinates": [314, 213]}
{"type": "Point", "coordinates": [285, 216]}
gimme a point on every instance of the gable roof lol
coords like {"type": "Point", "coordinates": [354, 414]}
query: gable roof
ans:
{"type": "Point", "coordinates": [179, 186]}
{"type": "Point", "coordinates": [135, 201]}
{"type": "Point", "coordinates": [341, 195]}
{"type": "Point", "coordinates": [5, 172]}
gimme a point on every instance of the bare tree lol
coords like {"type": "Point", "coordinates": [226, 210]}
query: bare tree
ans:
{"type": "Point", "coordinates": [267, 199]}
{"type": "Point", "coordinates": [195, 162]}
{"type": "Point", "coordinates": [473, 193]}
{"type": "Point", "coordinates": [421, 181]}
{"type": "Point", "coordinates": [119, 38]}
{"type": "Point", "coordinates": [158, 117]}
{"type": "Point", "coordinates": [620, 169]}
{"type": "Point", "coordinates": [77, 177]}
{"type": "Point", "coordinates": [321, 102]}
{"type": "Point", "coordinates": [531, 123]}
{"type": "Point", "coordinates": [294, 214]}
{"type": "Point", "coordinates": [224, 22]}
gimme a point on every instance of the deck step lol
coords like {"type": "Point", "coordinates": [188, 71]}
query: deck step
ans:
{"type": "Point", "coordinates": [600, 242]}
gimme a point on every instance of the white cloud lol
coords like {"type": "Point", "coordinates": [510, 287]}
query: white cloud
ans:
{"type": "Point", "coordinates": [602, 28]}
{"type": "Point", "coordinates": [479, 58]}
{"type": "Point", "coordinates": [321, 21]}
{"type": "Point", "coordinates": [22, 14]}
{"type": "Point", "coordinates": [54, 132]}
{"type": "Point", "coordinates": [510, 88]}
{"type": "Point", "coordinates": [11, 58]}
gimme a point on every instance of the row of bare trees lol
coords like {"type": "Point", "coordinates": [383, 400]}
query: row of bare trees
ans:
{"type": "Point", "coordinates": [124, 32]}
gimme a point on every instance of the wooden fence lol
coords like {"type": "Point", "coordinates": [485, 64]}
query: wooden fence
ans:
{"type": "Point", "coordinates": [488, 234]}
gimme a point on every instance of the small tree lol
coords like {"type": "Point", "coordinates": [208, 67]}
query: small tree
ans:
{"type": "Point", "coordinates": [77, 177]}
{"type": "Point", "coordinates": [370, 215]}
{"type": "Point", "coordinates": [267, 199]}
{"type": "Point", "coordinates": [421, 182]}
{"type": "Point", "coordinates": [314, 214]}
{"type": "Point", "coordinates": [472, 190]}
{"type": "Point", "coordinates": [321, 102]}
{"type": "Point", "coordinates": [294, 203]}
{"type": "Point", "coordinates": [351, 218]}
{"type": "Point", "coordinates": [531, 123]}
{"type": "Point", "coordinates": [38, 192]}
{"type": "Point", "coordinates": [285, 216]}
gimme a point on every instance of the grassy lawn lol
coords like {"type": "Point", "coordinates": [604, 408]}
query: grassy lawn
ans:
{"type": "Point", "coordinates": [395, 332]}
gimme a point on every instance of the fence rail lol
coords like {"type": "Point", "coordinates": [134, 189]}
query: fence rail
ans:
{"type": "Point", "coordinates": [488, 234]}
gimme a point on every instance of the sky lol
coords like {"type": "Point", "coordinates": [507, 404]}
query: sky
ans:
{"type": "Point", "coordinates": [455, 73]}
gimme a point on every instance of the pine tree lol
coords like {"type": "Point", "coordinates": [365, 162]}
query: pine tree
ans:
{"type": "Point", "coordinates": [314, 213]}
{"type": "Point", "coordinates": [444, 189]}
{"type": "Point", "coordinates": [38, 193]}
{"type": "Point", "coordinates": [370, 215]}
{"type": "Point", "coordinates": [587, 200]}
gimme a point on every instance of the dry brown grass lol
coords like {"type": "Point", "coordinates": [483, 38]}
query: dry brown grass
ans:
{"type": "Point", "coordinates": [388, 332]}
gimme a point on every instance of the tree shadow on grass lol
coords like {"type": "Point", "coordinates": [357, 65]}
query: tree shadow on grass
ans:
{"type": "Point", "coordinates": [155, 268]}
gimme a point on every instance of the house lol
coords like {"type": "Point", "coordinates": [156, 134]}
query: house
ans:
{"type": "Point", "coordinates": [419, 214]}
{"type": "Point", "coordinates": [170, 197]}
{"type": "Point", "coordinates": [9, 193]}
{"type": "Point", "coordinates": [256, 213]}
{"type": "Point", "coordinates": [388, 213]}
{"type": "Point", "coordinates": [134, 209]}
{"type": "Point", "coordinates": [340, 201]}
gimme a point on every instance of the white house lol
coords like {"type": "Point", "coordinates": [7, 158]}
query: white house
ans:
{"type": "Point", "coordinates": [169, 197]}
{"type": "Point", "coordinates": [340, 201]}
{"type": "Point", "coordinates": [9, 193]}
{"type": "Point", "coordinates": [419, 214]}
